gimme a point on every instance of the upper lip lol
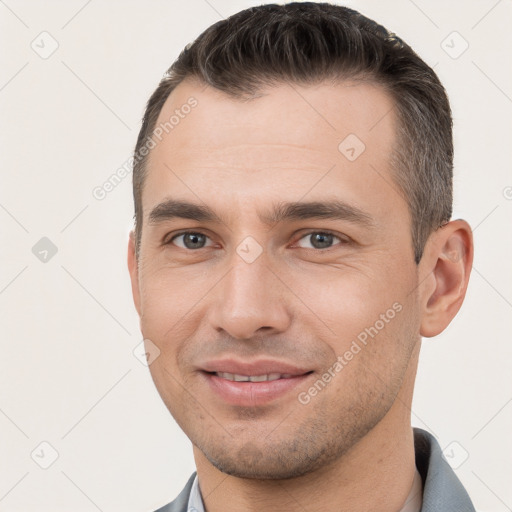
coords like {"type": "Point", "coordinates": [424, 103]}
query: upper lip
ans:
{"type": "Point", "coordinates": [250, 368]}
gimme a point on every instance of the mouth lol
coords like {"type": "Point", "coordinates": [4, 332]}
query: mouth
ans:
{"type": "Point", "coordinates": [234, 377]}
{"type": "Point", "coordinates": [253, 384]}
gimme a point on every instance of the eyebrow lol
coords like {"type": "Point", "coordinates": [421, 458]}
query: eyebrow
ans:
{"type": "Point", "coordinates": [282, 211]}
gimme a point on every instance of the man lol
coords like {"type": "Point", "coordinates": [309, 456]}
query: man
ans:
{"type": "Point", "coordinates": [292, 244]}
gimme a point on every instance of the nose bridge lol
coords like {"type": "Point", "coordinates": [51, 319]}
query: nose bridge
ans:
{"type": "Point", "coordinates": [247, 283]}
{"type": "Point", "coordinates": [249, 297]}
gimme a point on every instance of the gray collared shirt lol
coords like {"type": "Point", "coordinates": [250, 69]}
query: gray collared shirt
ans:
{"type": "Point", "coordinates": [412, 503]}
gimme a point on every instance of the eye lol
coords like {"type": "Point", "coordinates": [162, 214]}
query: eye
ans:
{"type": "Point", "coordinates": [190, 240]}
{"type": "Point", "coordinates": [319, 240]}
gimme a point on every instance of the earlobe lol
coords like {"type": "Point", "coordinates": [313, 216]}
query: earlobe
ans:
{"type": "Point", "coordinates": [134, 271]}
{"type": "Point", "coordinates": [447, 267]}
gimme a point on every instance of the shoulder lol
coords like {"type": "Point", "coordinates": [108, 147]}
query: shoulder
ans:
{"type": "Point", "coordinates": [442, 490]}
{"type": "Point", "coordinates": [181, 502]}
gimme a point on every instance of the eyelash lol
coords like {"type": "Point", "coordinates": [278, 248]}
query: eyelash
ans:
{"type": "Point", "coordinates": [343, 240]}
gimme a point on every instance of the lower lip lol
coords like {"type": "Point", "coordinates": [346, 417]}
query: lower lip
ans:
{"type": "Point", "coordinates": [250, 394]}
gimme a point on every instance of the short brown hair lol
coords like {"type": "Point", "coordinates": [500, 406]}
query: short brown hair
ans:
{"type": "Point", "coordinates": [305, 43]}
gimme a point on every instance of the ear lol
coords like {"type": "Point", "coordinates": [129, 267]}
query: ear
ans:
{"type": "Point", "coordinates": [444, 274]}
{"type": "Point", "coordinates": [134, 271]}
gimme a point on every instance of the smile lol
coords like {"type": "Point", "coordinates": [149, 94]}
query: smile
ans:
{"type": "Point", "coordinates": [252, 378]}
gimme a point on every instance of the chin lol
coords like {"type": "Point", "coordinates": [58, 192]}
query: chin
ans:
{"type": "Point", "coordinates": [284, 461]}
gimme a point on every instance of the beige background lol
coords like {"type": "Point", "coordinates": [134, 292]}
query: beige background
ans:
{"type": "Point", "coordinates": [68, 375]}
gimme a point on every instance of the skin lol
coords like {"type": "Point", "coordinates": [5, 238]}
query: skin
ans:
{"type": "Point", "coordinates": [352, 444]}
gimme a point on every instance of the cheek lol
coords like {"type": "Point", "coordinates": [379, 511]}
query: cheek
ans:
{"type": "Point", "coordinates": [371, 323]}
{"type": "Point", "coordinates": [164, 310]}
{"type": "Point", "coordinates": [372, 357]}
{"type": "Point", "coordinates": [167, 298]}
{"type": "Point", "coordinates": [348, 300]}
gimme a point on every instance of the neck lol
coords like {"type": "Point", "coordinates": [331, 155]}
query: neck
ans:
{"type": "Point", "coordinates": [376, 474]}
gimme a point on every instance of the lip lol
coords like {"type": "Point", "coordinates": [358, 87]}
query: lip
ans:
{"type": "Point", "coordinates": [251, 394]}
{"type": "Point", "coordinates": [258, 367]}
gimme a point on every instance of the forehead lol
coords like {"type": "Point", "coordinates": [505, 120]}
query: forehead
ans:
{"type": "Point", "coordinates": [285, 113]}
{"type": "Point", "coordinates": [283, 142]}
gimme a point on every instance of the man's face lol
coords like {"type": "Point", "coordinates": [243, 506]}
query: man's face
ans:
{"type": "Point", "coordinates": [264, 291]}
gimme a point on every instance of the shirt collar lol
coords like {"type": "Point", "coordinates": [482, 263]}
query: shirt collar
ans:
{"type": "Point", "coordinates": [412, 503]}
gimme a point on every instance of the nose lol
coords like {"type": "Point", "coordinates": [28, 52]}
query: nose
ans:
{"type": "Point", "coordinates": [250, 300]}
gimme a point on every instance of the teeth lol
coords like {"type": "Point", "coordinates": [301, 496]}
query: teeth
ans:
{"type": "Point", "coordinates": [252, 378]}
{"type": "Point", "coordinates": [258, 378]}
